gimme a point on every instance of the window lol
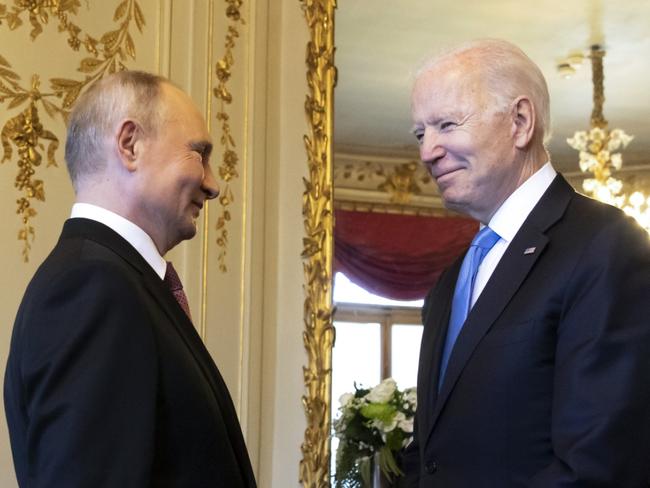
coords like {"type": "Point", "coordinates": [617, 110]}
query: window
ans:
{"type": "Point", "coordinates": [376, 338]}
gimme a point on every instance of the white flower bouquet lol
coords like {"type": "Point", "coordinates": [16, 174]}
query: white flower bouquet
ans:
{"type": "Point", "coordinates": [373, 424]}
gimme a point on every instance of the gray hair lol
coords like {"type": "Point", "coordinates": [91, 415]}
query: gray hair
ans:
{"type": "Point", "coordinates": [126, 94]}
{"type": "Point", "coordinates": [508, 73]}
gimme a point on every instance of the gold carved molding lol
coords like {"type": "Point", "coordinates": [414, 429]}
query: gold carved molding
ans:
{"type": "Point", "coordinates": [401, 181]}
{"type": "Point", "coordinates": [25, 131]}
{"type": "Point", "coordinates": [318, 335]}
{"type": "Point", "coordinates": [228, 167]}
{"type": "Point", "coordinates": [392, 208]}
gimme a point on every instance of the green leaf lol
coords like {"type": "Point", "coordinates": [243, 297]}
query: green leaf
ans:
{"type": "Point", "coordinates": [379, 411]}
{"type": "Point", "coordinates": [394, 439]}
{"type": "Point", "coordinates": [387, 464]}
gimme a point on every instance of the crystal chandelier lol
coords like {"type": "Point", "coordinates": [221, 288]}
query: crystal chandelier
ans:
{"type": "Point", "coordinates": [600, 153]}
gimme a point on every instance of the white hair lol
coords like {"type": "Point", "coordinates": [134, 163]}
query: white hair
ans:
{"type": "Point", "coordinates": [126, 94]}
{"type": "Point", "coordinates": [508, 73]}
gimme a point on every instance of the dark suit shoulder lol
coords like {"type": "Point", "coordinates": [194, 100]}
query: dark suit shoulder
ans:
{"type": "Point", "coordinates": [596, 214]}
{"type": "Point", "coordinates": [76, 293]}
{"type": "Point", "coordinates": [75, 269]}
{"type": "Point", "coordinates": [83, 346]}
{"type": "Point", "coordinates": [584, 223]}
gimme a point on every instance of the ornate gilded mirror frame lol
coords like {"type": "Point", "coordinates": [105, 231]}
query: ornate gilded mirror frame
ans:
{"type": "Point", "coordinates": [318, 335]}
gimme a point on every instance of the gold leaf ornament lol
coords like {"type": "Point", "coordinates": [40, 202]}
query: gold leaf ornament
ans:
{"type": "Point", "coordinates": [120, 11]}
{"type": "Point", "coordinates": [318, 335]}
{"type": "Point", "coordinates": [88, 65]}
{"type": "Point", "coordinates": [227, 170]}
{"type": "Point", "coordinates": [108, 53]}
{"type": "Point", "coordinates": [25, 131]}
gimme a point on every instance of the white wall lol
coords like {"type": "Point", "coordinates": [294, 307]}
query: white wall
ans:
{"type": "Point", "coordinates": [284, 355]}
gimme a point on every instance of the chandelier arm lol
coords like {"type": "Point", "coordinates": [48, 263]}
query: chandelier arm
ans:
{"type": "Point", "coordinates": [598, 79]}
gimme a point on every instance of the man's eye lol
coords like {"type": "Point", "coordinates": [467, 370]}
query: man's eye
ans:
{"type": "Point", "coordinates": [447, 125]}
{"type": "Point", "coordinates": [419, 135]}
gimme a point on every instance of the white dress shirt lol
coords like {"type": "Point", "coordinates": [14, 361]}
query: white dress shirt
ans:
{"type": "Point", "coordinates": [133, 234]}
{"type": "Point", "coordinates": [509, 218]}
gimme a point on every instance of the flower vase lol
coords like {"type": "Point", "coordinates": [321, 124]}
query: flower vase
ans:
{"type": "Point", "coordinates": [378, 478]}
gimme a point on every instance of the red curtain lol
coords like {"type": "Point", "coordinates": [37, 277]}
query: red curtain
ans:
{"type": "Point", "coordinates": [398, 256]}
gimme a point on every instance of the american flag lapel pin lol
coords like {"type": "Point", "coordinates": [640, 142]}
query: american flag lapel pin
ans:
{"type": "Point", "coordinates": [529, 250]}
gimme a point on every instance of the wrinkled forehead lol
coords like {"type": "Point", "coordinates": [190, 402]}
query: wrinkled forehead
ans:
{"type": "Point", "coordinates": [448, 86]}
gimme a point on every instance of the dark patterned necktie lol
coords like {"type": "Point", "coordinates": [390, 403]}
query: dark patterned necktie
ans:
{"type": "Point", "coordinates": [176, 287]}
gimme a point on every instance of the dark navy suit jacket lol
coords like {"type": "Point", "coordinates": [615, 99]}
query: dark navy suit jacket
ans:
{"type": "Point", "coordinates": [549, 381]}
{"type": "Point", "coordinates": [108, 384]}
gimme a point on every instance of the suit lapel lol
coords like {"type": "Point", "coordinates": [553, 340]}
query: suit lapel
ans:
{"type": "Point", "coordinates": [100, 233]}
{"type": "Point", "coordinates": [195, 345]}
{"type": "Point", "coordinates": [435, 319]}
{"type": "Point", "coordinates": [103, 235]}
{"type": "Point", "coordinates": [188, 334]}
{"type": "Point", "coordinates": [523, 252]}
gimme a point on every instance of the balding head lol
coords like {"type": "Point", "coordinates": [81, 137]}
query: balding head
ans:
{"type": "Point", "coordinates": [480, 114]}
{"type": "Point", "coordinates": [97, 113]}
{"type": "Point", "coordinates": [506, 73]}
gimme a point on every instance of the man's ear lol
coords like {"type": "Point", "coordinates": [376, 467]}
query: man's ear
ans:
{"type": "Point", "coordinates": [129, 137]}
{"type": "Point", "coordinates": [523, 127]}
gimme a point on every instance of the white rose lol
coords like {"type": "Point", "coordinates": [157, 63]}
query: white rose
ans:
{"type": "Point", "coordinates": [411, 396]}
{"type": "Point", "coordinates": [346, 399]}
{"type": "Point", "coordinates": [406, 425]}
{"type": "Point", "coordinates": [383, 391]}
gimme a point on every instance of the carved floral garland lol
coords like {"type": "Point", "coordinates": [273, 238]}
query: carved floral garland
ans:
{"type": "Point", "coordinates": [318, 336]}
{"type": "Point", "coordinates": [228, 168]}
{"type": "Point", "coordinates": [107, 54]}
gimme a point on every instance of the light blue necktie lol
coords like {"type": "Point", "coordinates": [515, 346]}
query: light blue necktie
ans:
{"type": "Point", "coordinates": [461, 303]}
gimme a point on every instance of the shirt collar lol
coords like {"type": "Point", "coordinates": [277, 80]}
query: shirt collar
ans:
{"type": "Point", "coordinates": [513, 212]}
{"type": "Point", "coordinates": [133, 234]}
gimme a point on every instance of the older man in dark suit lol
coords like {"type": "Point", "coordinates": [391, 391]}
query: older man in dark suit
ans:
{"type": "Point", "coordinates": [535, 360]}
{"type": "Point", "coordinates": [107, 382]}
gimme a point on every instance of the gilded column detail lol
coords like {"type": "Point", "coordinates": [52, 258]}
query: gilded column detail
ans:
{"type": "Point", "coordinates": [318, 336]}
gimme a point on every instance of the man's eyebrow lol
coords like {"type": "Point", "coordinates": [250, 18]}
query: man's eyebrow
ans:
{"type": "Point", "coordinates": [204, 148]}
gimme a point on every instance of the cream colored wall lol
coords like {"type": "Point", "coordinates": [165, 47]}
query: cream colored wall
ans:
{"type": "Point", "coordinates": [251, 315]}
{"type": "Point", "coordinates": [283, 420]}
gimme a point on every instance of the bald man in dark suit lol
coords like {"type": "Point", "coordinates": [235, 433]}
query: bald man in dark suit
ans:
{"type": "Point", "coordinates": [107, 383]}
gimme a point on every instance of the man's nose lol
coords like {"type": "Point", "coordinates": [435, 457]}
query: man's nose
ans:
{"type": "Point", "coordinates": [431, 148]}
{"type": "Point", "coordinates": [209, 184]}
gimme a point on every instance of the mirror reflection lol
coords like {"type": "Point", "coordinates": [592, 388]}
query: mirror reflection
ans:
{"type": "Point", "coordinates": [393, 236]}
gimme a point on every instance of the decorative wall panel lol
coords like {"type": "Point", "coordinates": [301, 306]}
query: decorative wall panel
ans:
{"type": "Point", "coordinates": [28, 131]}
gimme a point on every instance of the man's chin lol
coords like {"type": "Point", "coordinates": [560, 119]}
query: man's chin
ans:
{"type": "Point", "coordinates": [452, 202]}
{"type": "Point", "coordinates": [189, 231]}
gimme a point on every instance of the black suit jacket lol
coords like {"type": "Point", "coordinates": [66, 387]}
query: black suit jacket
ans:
{"type": "Point", "coordinates": [107, 382]}
{"type": "Point", "coordinates": [548, 384]}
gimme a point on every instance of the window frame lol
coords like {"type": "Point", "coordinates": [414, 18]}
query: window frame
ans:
{"type": "Point", "coordinates": [387, 316]}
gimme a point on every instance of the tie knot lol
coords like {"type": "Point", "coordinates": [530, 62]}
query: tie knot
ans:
{"type": "Point", "coordinates": [485, 239]}
{"type": "Point", "coordinates": [171, 278]}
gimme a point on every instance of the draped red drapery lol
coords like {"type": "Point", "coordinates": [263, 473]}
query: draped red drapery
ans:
{"type": "Point", "coordinates": [398, 256]}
